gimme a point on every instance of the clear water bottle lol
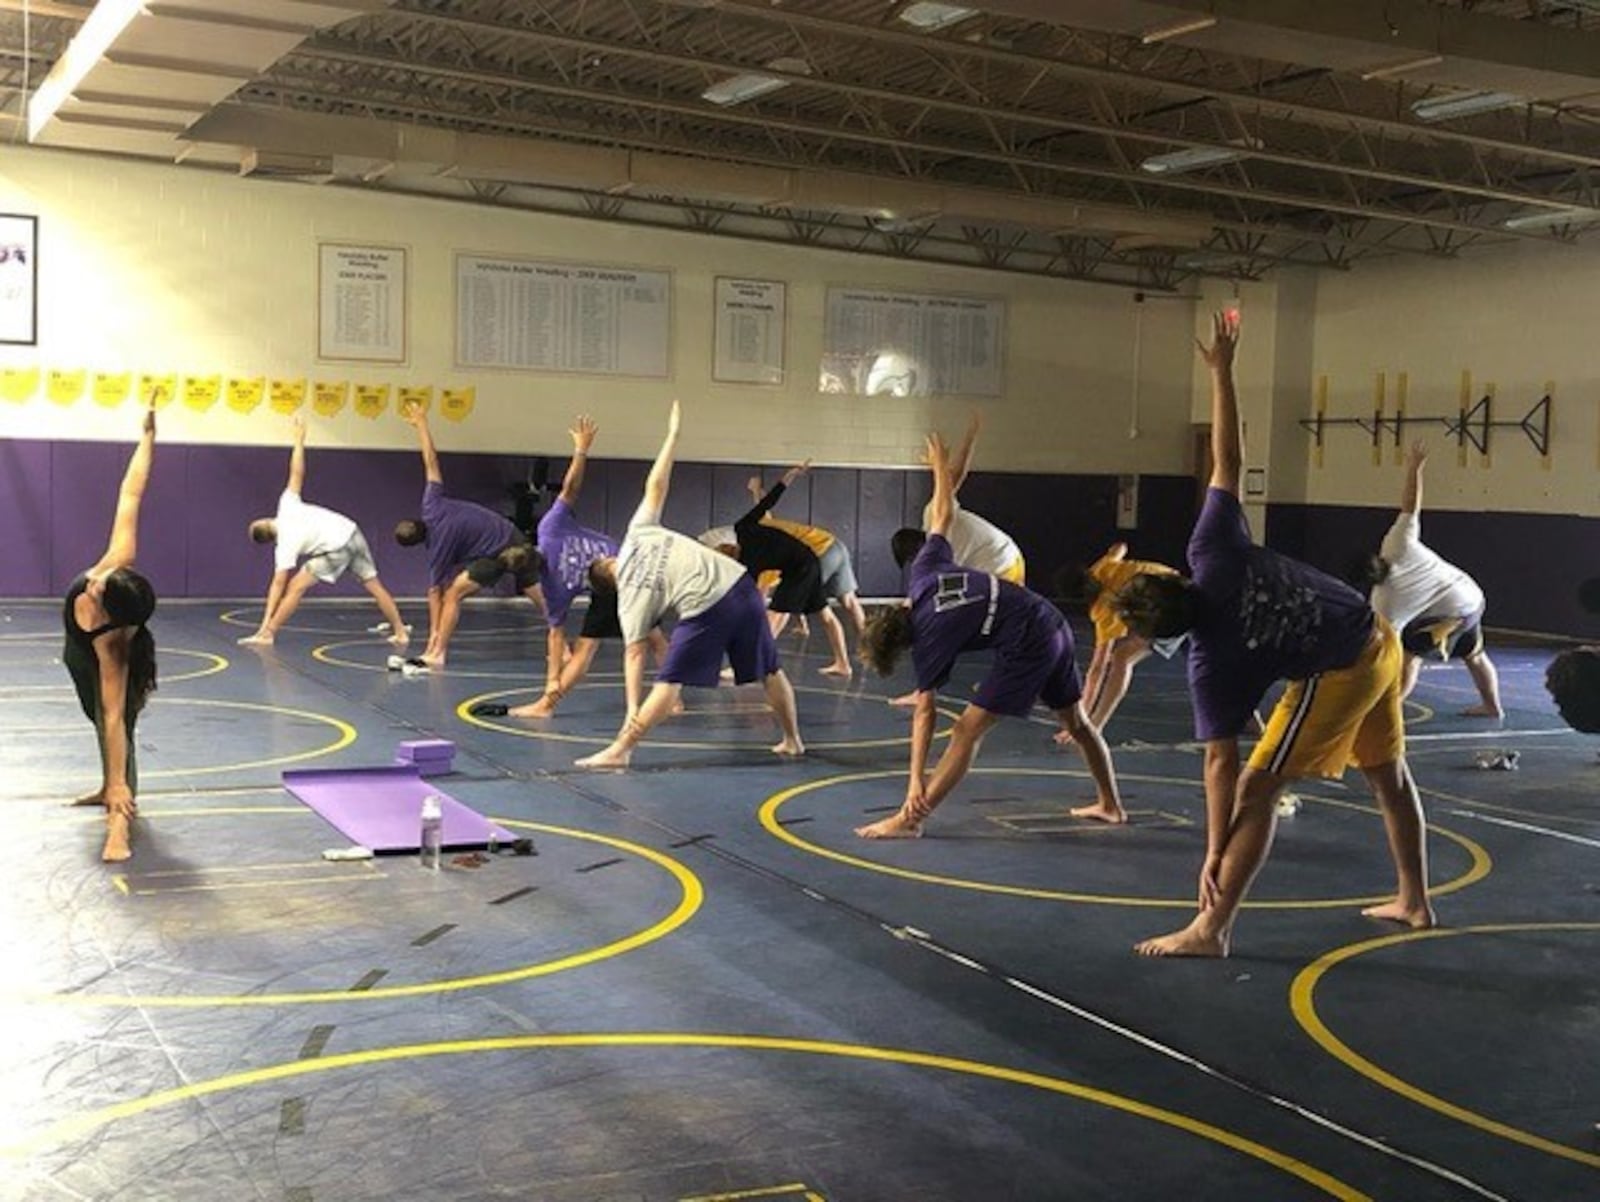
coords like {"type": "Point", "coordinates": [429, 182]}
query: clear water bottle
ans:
{"type": "Point", "coordinates": [432, 832]}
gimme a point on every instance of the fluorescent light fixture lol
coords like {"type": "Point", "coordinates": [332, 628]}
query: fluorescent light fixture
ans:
{"type": "Point", "coordinates": [930, 17]}
{"type": "Point", "coordinates": [1209, 261]}
{"type": "Point", "coordinates": [1195, 157]}
{"type": "Point", "coordinates": [1463, 104]}
{"type": "Point", "coordinates": [1545, 219]}
{"type": "Point", "coordinates": [739, 88]}
{"type": "Point", "coordinates": [1403, 67]}
{"type": "Point", "coordinates": [103, 26]}
{"type": "Point", "coordinates": [1176, 29]}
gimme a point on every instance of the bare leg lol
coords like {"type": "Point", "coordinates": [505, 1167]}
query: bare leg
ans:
{"type": "Point", "coordinates": [858, 615]}
{"type": "Point", "coordinates": [1108, 805]}
{"type": "Point", "coordinates": [1488, 682]}
{"type": "Point", "coordinates": [1409, 674]}
{"type": "Point", "coordinates": [290, 601]}
{"type": "Point", "coordinates": [1244, 851]}
{"type": "Point", "coordinates": [776, 622]}
{"type": "Point", "coordinates": [449, 615]}
{"type": "Point", "coordinates": [1402, 820]}
{"type": "Point", "coordinates": [572, 673]}
{"type": "Point", "coordinates": [390, 611]}
{"type": "Point", "coordinates": [663, 696]}
{"type": "Point", "coordinates": [965, 739]}
{"type": "Point", "coordinates": [780, 696]}
{"type": "Point", "coordinates": [841, 650]}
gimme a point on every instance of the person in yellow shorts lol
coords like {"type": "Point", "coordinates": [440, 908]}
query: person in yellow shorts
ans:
{"type": "Point", "coordinates": [1255, 617]}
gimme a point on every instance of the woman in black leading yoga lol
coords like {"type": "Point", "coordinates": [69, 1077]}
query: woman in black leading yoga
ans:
{"type": "Point", "coordinates": [110, 653]}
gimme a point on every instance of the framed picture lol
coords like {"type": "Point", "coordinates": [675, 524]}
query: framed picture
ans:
{"type": "Point", "coordinates": [361, 303]}
{"type": "Point", "coordinates": [19, 279]}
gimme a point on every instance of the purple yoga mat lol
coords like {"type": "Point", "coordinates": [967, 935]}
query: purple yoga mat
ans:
{"type": "Point", "coordinates": [381, 808]}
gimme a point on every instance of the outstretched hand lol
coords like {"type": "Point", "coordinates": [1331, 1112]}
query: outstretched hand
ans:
{"type": "Point", "coordinates": [794, 473]}
{"type": "Point", "coordinates": [583, 432]}
{"type": "Point", "coordinates": [674, 418]}
{"type": "Point", "coordinates": [1224, 339]}
{"type": "Point", "coordinates": [299, 424]}
{"type": "Point", "coordinates": [1417, 454]}
{"type": "Point", "coordinates": [936, 455]}
{"type": "Point", "coordinates": [148, 425]}
{"type": "Point", "coordinates": [414, 415]}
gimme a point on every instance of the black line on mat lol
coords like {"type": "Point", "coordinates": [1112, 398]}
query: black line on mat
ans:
{"type": "Point", "coordinates": [599, 864]}
{"type": "Point", "coordinates": [514, 894]}
{"type": "Point", "coordinates": [880, 809]}
{"type": "Point", "coordinates": [1261, 1093]}
{"type": "Point", "coordinates": [292, 1117]}
{"type": "Point", "coordinates": [691, 841]}
{"type": "Point", "coordinates": [368, 981]}
{"type": "Point", "coordinates": [316, 1042]}
{"type": "Point", "coordinates": [438, 932]}
{"type": "Point", "coordinates": [798, 821]}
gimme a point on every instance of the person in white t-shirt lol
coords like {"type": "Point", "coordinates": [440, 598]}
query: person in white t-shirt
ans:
{"type": "Point", "coordinates": [658, 573]}
{"type": "Point", "coordinates": [322, 544]}
{"type": "Point", "coordinates": [1435, 606]}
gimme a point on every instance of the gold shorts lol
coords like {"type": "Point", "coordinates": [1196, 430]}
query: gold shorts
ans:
{"type": "Point", "coordinates": [1335, 719]}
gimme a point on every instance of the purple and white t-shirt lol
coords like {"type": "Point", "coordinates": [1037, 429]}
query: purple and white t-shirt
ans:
{"type": "Point", "coordinates": [459, 532]}
{"type": "Point", "coordinates": [568, 549]}
{"type": "Point", "coordinates": [956, 609]}
{"type": "Point", "coordinates": [1264, 617]}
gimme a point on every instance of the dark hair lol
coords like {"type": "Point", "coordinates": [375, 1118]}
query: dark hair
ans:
{"type": "Point", "coordinates": [886, 638]}
{"type": "Point", "coordinates": [600, 582]}
{"type": "Point", "coordinates": [1158, 607]}
{"type": "Point", "coordinates": [522, 559]}
{"type": "Point", "coordinates": [410, 532]}
{"type": "Point", "coordinates": [1075, 585]}
{"type": "Point", "coordinates": [1365, 571]}
{"type": "Point", "coordinates": [905, 543]}
{"type": "Point", "coordinates": [259, 533]}
{"type": "Point", "coordinates": [129, 600]}
{"type": "Point", "coordinates": [1573, 679]}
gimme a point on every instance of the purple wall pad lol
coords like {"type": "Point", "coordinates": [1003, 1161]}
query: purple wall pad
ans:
{"type": "Point", "coordinates": [1529, 564]}
{"type": "Point", "coordinates": [381, 808]}
{"type": "Point", "coordinates": [880, 501]}
{"type": "Point", "coordinates": [25, 569]}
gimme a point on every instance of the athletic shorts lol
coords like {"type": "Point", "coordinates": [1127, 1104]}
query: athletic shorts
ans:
{"type": "Point", "coordinates": [1016, 573]}
{"type": "Point", "coordinates": [1038, 666]}
{"type": "Point", "coordinates": [1444, 638]}
{"type": "Point", "coordinates": [735, 627]}
{"type": "Point", "coordinates": [838, 575]}
{"type": "Point", "coordinates": [600, 620]}
{"type": "Point", "coordinates": [1347, 716]}
{"type": "Point", "coordinates": [799, 592]}
{"type": "Point", "coordinates": [486, 572]}
{"type": "Point", "coordinates": [355, 556]}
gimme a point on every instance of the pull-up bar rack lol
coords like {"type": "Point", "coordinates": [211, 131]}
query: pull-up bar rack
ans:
{"type": "Point", "coordinates": [1472, 423]}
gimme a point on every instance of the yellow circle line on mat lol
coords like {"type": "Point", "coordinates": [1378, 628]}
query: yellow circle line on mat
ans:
{"type": "Point", "coordinates": [693, 894]}
{"type": "Point", "coordinates": [231, 618]}
{"type": "Point", "coordinates": [1424, 712]}
{"type": "Point", "coordinates": [1302, 1003]}
{"type": "Point", "coordinates": [81, 1125]}
{"type": "Point", "coordinates": [1479, 868]}
{"type": "Point", "coordinates": [463, 712]}
{"type": "Point", "coordinates": [217, 664]}
{"type": "Point", "coordinates": [325, 654]}
{"type": "Point", "coordinates": [347, 736]}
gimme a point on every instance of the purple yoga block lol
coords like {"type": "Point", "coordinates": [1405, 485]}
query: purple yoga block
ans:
{"type": "Point", "coordinates": [415, 751]}
{"type": "Point", "coordinates": [426, 767]}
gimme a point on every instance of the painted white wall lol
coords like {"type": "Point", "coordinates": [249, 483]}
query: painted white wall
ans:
{"type": "Point", "coordinates": [166, 269]}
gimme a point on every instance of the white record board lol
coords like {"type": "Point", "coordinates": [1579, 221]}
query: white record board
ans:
{"type": "Point", "coordinates": [537, 315]}
{"type": "Point", "coordinates": [749, 331]}
{"type": "Point", "coordinates": [361, 303]}
{"type": "Point", "coordinates": [879, 342]}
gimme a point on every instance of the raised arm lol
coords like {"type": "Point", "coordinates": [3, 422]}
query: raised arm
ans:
{"type": "Point", "coordinates": [942, 508]}
{"type": "Point", "coordinates": [1411, 496]}
{"type": "Point", "coordinates": [583, 433]}
{"type": "Point", "coordinates": [418, 418]}
{"type": "Point", "coordinates": [297, 457]}
{"type": "Point", "coordinates": [1227, 452]}
{"type": "Point", "coordinates": [963, 455]}
{"type": "Point", "coordinates": [660, 477]}
{"type": "Point", "coordinates": [124, 541]}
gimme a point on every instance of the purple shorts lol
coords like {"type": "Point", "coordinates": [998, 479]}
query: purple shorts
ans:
{"type": "Point", "coordinates": [1038, 665]}
{"type": "Point", "coordinates": [735, 626]}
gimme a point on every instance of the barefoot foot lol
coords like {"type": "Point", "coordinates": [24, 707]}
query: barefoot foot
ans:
{"type": "Point", "coordinates": [399, 640]}
{"type": "Point", "coordinates": [256, 640]}
{"type": "Point", "coordinates": [842, 671]}
{"type": "Point", "coordinates": [1191, 941]}
{"type": "Point", "coordinates": [1115, 815]}
{"type": "Point", "coordinates": [117, 848]}
{"type": "Point", "coordinates": [896, 826]}
{"type": "Point", "coordinates": [542, 708]}
{"type": "Point", "coordinates": [1418, 918]}
{"type": "Point", "coordinates": [1482, 711]}
{"type": "Point", "coordinates": [432, 659]}
{"type": "Point", "coordinates": [904, 699]}
{"type": "Point", "coordinates": [97, 798]}
{"type": "Point", "coordinates": [1063, 738]}
{"type": "Point", "coordinates": [612, 757]}
{"type": "Point", "coordinates": [789, 747]}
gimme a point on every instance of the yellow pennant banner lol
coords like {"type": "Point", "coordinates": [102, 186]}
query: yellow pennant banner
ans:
{"type": "Point", "coordinates": [245, 395]}
{"type": "Point", "coordinates": [415, 397]}
{"type": "Point", "coordinates": [160, 390]}
{"type": "Point", "coordinates": [18, 383]}
{"type": "Point", "coordinates": [329, 396]}
{"type": "Point", "coordinates": [201, 392]}
{"type": "Point", "coordinates": [111, 388]}
{"type": "Point", "coordinates": [64, 385]}
{"type": "Point", "coordinates": [456, 403]}
{"type": "Point", "coordinates": [285, 396]}
{"type": "Point", "coordinates": [371, 399]}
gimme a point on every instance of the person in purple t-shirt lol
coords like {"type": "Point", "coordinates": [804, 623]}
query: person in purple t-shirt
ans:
{"type": "Point", "coordinates": [955, 609]}
{"type": "Point", "coordinates": [1256, 617]}
{"type": "Point", "coordinates": [568, 548]}
{"type": "Point", "coordinates": [469, 548]}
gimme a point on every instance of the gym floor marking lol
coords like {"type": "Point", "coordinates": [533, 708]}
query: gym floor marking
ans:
{"type": "Point", "coordinates": [463, 711]}
{"type": "Point", "coordinates": [232, 618]}
{"type": "Point", "coordinates": [691, 896]}
{"type": "Point", "coordinates": [771, 1191]}
{"type": "Point", "coordinates": [213, 665]}
{"type": "Point", "coordinates": [81, 1125]}
{"type": "Point", "coordinates": [1302, 1002]}
{"type": "Point", "coordinates": [1479, 867]}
